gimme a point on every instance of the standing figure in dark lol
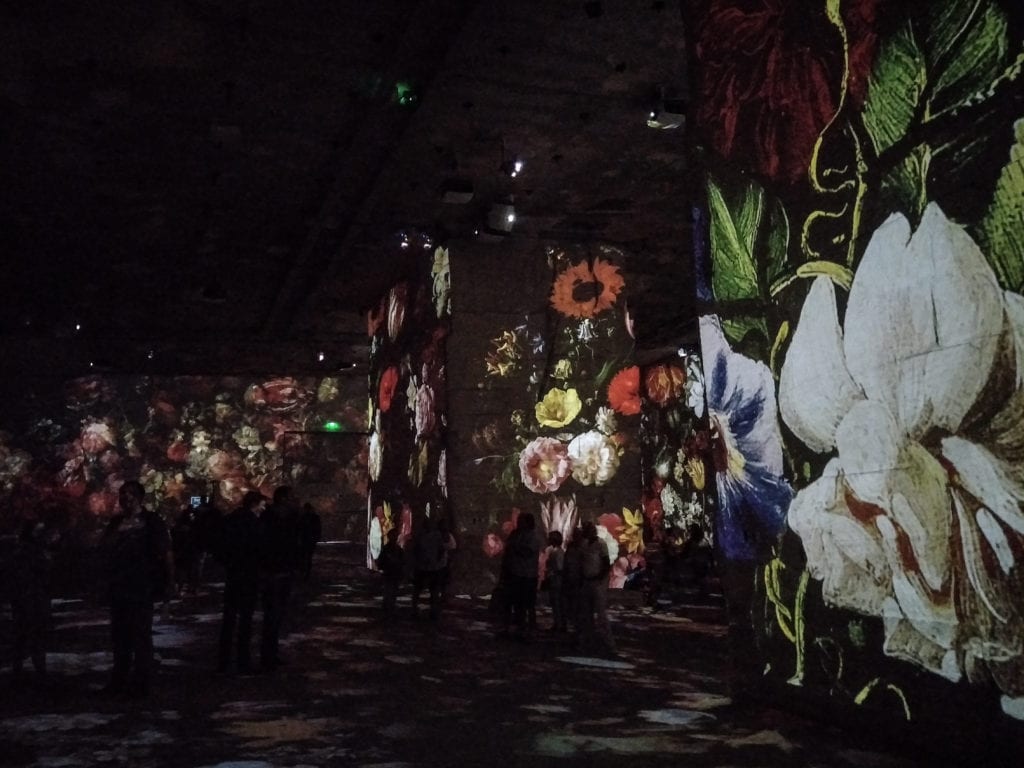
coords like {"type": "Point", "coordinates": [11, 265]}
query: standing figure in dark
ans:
{"type": "Point", "coordinates": [429, 558]}
{"type": "Point", "coordinates": [186, 552]}
{"type": "Point", "coordinates": [519, 569]}
{"type": "Point", "coordinates": [28, 580]}
{"type": "Point", "coordinates": [309, 534]}
{"type": "Point", "coordinates": [594, 627]}
{"type": "Point", "coordinates": [278, 555]}
{"type": "Point", "coordinates": [450, 548]}
{"type": "Point", "coordinates": [137, 546]}
{"type": "Point", "coordinates": [209, 535]}
{"type": "Point", "coordinates": [241, 557]}
{"type": "Point", "coordinates": [572, 580]}
{"type": "Point", "coordinates": [391, 562]}
{"type": "Point", "coordinates": [554, 575]}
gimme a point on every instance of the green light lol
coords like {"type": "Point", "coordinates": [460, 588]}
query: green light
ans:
{"type": "Point", "coordinates": [332, 426]}
{"type": "Point", "coordinates": [404, 93]}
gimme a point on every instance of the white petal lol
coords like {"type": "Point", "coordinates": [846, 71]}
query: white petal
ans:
{"type": "Point", "coordinates": [903, 641]}
{"type": "Point", "coordinates": [815, 389]}
{"type": "Point", "coordinates": [923, 322]}
{"type": "Point", "coordinates": [841, 552]}
{"type": "Point", "coordinates": [881, 293]}
{"type": "Point", "coordinates": [934, 619]}
{"type": "Point", "coordinates": [996, 537]}
{"type": "Point", "coordinates": [983, 476]}
{"type": "Point", "coordinates": [984, 587]}
{"type": "Point", "coordinates": [968, 322]}
{"type": "Point", "coordinates": [869, 448]}
{"type": "Point", "coordinates": [921, 506]}
{"type": "Point", "coordinates": [1013, 706]}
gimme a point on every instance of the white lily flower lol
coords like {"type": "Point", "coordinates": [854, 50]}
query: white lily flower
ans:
{"type": "Point", "coordinates": [918, 519]}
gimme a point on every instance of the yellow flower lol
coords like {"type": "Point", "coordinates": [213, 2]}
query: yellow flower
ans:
{"type": "Point", "coordinates": [633, 531]}
{"type": "Point", "coordinates": [558, 408]}
{"type": "Point", "coordinates": [695, 469]}
{"type": "Point", "coordinates": [563, 369]}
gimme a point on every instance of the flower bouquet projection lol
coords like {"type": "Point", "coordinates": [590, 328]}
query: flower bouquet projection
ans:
{"type": "Point", "coordinates": [407, 457]}
{"type": "Point", "coordinates": [865, 256]}
{"type": "Point", "coordinates": [567, 450]}
{"type": "Point", "coordinates": [676, 446]}
{"type": "Point", "coordinates": [179, 436]}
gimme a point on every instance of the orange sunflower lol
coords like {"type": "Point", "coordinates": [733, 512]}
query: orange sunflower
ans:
{"type": "Point", "coordinates": [585, 291]}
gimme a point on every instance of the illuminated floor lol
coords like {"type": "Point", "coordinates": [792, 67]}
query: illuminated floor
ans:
{"type": "Point", "coordinates": [359, 693]}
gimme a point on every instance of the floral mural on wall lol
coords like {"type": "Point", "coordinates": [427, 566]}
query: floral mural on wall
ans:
{"type": "Point", "coordinates": [676, 445]}
{"type": "Point", "coordinates": [569, 450]}
{"type": "Point", "coordinates": [66, 451]}
{"type": "Point", "coordinates": [862, 246]}
{"type": "Point", "coordinates": [407, 406]}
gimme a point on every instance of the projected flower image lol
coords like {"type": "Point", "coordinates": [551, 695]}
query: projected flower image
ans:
{"type": "Point", "coordinates": [407, 384]}
{"type": "Point", "coordinates": [180, 437]}
{"type": "Point", "coordinates": [573, 429]}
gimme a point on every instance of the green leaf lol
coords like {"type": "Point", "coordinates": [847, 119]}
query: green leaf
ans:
{"type": "Point", "coordinates": [968, 48]}
{"type": "Point", "coordinates": [734, 226]}
{"type": "Point", "coordinates": [1000, 232]}
{"type": "Point", "coordinates": [946, 56]}
{"type": "Point", "coordinates": [750, 332]}
{"type": "Point", "coordinates": [906, 186]}
{"type": "Point", "coordinates": [894, 89]}
{"type": "Point", "coordinates": [778, 242]}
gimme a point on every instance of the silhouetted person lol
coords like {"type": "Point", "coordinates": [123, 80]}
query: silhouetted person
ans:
{"type": "Point", "coordinates": [572, 579]}
{"type": "Point", "coordinates": [554, 575]}
{"type": "Point", "coordinates": [241, 558]}
{"type": "Point", "coordinates": [309, 534]}
{"type": "Point", "coordinates": [391, 562]}
{"type": "Point", "coordinates": [138, 551]}
{"type": "Point", "coordinates": [209, 535]}
{"type": "Point", "coordinates": [28, 580]}
{"type": "Point", "coordinates": [186, 550]}
{"type": "Point", "coordinates": [450, 547]}
{"type": "Point", "coordinates": [596, 564]}
{"type": "Point", "coordinates": [429, 557]}
{"type": "Point", "coordinates": [519, 567]}
{"type": "Point", "coordinates": [278, 554]}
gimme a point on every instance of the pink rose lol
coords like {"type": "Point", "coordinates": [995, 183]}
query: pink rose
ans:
{"type": "Point", "coordinates": [544, 465]}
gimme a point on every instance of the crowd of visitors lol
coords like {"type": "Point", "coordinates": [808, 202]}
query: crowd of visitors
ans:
{"type": "Point", "coordinates": [142, 563]}
{"type": "Point", "coordinates": [265, 544]}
